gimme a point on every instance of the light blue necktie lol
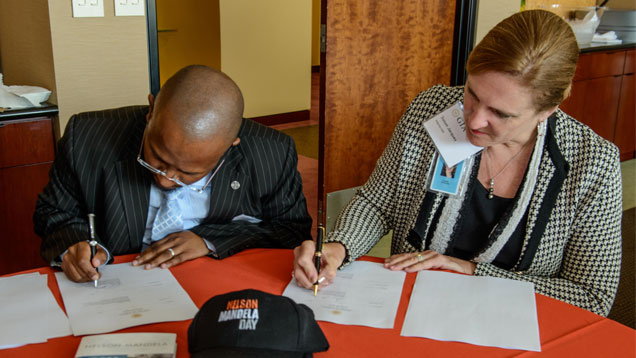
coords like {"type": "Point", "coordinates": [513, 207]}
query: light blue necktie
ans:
{"type": "Point", "coordinates": [169, 217]}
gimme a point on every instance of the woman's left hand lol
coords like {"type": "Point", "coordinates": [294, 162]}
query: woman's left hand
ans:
{"type": "Point", "coordinates": [426, 260]}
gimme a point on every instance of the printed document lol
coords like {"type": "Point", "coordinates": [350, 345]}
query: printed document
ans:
{"type": "Point", "coordinates": [126, 296]}
{"type": "Point", "coordinates": [28, 311]}
{"type": "Point", "coordinates": [364, 293]}
{"type": "Point", "coordinates": [486, 311]}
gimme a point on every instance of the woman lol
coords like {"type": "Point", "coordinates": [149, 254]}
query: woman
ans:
{"type": "Point", "coordinates": [543, 199]}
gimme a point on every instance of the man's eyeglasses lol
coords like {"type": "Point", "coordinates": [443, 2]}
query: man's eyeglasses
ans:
{"type": "Point", "coordinates": [174, 179]}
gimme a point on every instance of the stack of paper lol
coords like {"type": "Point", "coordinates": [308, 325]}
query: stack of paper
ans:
{"type": "Point", "coordinates": [29, 312]}
{"type": "Point", "coordinates": [126, 296]}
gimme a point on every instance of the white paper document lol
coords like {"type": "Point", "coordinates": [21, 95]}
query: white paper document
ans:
{"type": "Point", "coordinates": [448, 132]}
{"type": "Point", "coordinates": [29, 312]}
{"type": "Point", "coordinates": [486, 311]}
{"type": "Point", "coordinates": [126, 296]}
{"type": "Point", "coordinates": [364, 293]}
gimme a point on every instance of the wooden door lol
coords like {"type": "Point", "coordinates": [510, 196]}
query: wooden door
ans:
{"type": "Point", "coordinates": [379, 56]}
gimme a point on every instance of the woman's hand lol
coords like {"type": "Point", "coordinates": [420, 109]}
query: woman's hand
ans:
{"type": "Point", "coordinates": [426, 260]}
{"type": "Point", "coordinates": [333, 254]}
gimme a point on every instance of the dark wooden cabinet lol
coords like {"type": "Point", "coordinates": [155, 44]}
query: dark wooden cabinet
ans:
{"type": "Point", "coordinates": [625, 134]}
{"type": "Point", "coordinates": [596, 104]}
{"type": "Point", "coordinates": [603, 97]}
{"type": "Point", "coordinates": [27, 150]}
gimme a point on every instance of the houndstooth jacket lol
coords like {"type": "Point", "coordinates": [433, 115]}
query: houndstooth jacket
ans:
{"type": "Point", "coordinates": [571, 230]}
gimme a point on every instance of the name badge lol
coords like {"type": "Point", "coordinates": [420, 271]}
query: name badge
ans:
{"type": "Point", "coordinates": [448, 173]}
{"type": "Point", "coordinates": [448, 131]}
{"type": "Point", "coordinates": [446, 179]}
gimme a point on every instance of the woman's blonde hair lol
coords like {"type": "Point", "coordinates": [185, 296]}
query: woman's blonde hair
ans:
{"type": "Point", "coordinates": [535, 46]}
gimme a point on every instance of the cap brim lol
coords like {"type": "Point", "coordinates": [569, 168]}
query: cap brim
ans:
{"type": "Point", "coordinates": [247, 353]}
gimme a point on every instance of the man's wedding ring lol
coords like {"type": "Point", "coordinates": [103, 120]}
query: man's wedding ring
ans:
{"type": "Point", "coordinates": [171, 252]}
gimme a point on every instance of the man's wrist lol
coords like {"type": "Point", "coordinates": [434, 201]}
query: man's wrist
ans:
{"type": "Point", "coordinates": [210, 246]}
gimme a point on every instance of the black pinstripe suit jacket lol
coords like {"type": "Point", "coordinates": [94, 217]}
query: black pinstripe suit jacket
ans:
{"type": "Point", "coordinates": [96, 171]}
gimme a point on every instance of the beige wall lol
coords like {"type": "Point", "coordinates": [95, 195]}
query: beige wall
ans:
{"type": "Point", "coordinates": [491, 12]}
{"type": "Point", "coordinates": [621, 4]}
{"type": "Point", "coordinates": [196, 38]}
{"type": "Point", "coordinates": [25, 44]}
{"type": "Point", "coordinates": [99, 63]}
{"type": "Point", "coordinates": [315, 32]}
{"type": "Point", "coordinates": [613, 4]}
{"type": "Point", "coordinates": [266, 49]}
{"type": "Point", "coordinates": [87, 63]}
{"type": "Point", "coordinates": [530, 4]}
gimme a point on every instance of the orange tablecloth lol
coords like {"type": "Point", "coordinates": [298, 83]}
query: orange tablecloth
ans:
{"type": "Point", "coordinates": [566, 330]}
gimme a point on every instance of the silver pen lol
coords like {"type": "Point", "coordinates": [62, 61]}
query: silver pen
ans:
{"type": "Point", "coordinates": [93, 242]}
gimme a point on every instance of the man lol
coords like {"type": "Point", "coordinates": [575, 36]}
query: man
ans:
{"type": "Point", "coordinates": [187, 175]}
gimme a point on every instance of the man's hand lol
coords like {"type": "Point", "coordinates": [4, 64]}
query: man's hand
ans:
{"type": "Point", "coordinates": [333, 254]}
{"type": "Point", "coordinates": [172, 250]}
{"type": "Point", "coordinates": [427, 260]}
{"type": "Point", "coordinates": [77, 264]}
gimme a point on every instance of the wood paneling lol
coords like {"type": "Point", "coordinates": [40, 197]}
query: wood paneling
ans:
{"type": "Point", "coordinates": [380, 55]}
{"type": "Point", "coordinates": [625, 134]}
{"type": "Point", "coordinates": [600, 64]}
{"type": "Point", "coordinates": [603, 97]}
{"type": "Point", "coordinates": [601, 105]}
{"type": "Point", "coordinates": [26, 154]}
{"type": "Point", "coordinates": [25, 142]}
{"type": "Point", "coordinates": [630, 66]}
{"type": "Point", "coordinates": [575, 103]}
{"type": "Point", "coordinates": [595, 103]}
{"type": "Point", "coordinates": [19, 187]}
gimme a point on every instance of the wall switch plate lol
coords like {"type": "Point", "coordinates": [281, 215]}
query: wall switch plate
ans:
{"type": "Point", "coordinates": [88, 8]}
{"type": "Point", "coordinates": [129, 7]}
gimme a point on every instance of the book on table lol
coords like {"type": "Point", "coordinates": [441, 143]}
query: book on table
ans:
{"type": "Point", "coordinates": [128, 345]}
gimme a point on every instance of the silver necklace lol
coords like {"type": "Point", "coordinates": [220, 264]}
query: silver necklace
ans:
{"type": "Point", "coordinates": [491, 190]}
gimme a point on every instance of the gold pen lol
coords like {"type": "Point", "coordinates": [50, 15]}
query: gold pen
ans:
{"type": "Point", "coordinates": [318, 256]}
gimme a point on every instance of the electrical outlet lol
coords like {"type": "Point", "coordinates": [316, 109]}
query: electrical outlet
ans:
{"type": "Point", "coordinates": [129, 7]}
{"type": "Point", "coordinates": [88, 8]}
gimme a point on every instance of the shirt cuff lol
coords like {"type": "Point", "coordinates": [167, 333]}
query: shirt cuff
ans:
{"type": "Point", "coordinates": [210, 246]}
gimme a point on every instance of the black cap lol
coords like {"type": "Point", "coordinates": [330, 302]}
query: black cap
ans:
{"type": "Point", "coordinates": [252, 323]}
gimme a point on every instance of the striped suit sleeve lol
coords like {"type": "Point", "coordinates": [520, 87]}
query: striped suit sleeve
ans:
{"type": "Point", "coordinates": [286, 222]}
{"type": "Point", "coordinates": [59, 214]}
